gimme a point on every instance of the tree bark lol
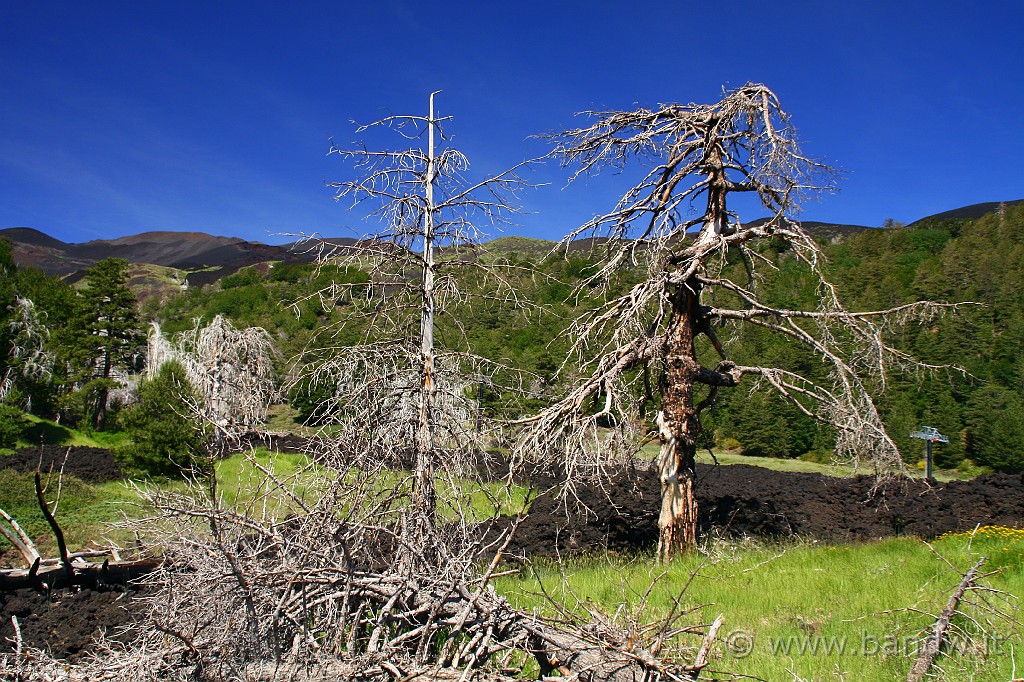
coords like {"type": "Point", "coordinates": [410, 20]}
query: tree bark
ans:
{"type": "Point", "coordinates": [678, 427]}
{"type": "Point", "coordinates": [100, 416]}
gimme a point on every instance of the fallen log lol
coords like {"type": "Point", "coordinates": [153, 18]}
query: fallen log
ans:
{"type": "Point", "coordinates": [82, 574]}
{"type": "Point", "coordinates": [933, 642]}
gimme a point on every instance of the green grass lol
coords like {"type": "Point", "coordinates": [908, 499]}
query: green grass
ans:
{"type": "Point", "coordinates": [860, 601]}
{"type": "Point", "coordinates": [240, 482]}
{"type": "Point", "coordinates": [728, 457]}
{"type": "Point", "coordinates": [283, 418]}
{"type": "Point", "coordinates": [810, 612]}
{"type": "Point", "coordinates": [53, 433]}
{"type": "Point", "coordinates": [86, 510]}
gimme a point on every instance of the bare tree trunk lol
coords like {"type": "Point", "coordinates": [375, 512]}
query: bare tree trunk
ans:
{"type": "Point", "coordinates": [678, 428]}
{"type": "Point", "coordinates": [396, 390]}
{"type": "Point", "coordinates": [424, 496]}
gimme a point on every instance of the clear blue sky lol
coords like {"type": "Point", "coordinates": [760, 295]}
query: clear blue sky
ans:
{"type": "Point", "coordinates": [123, 117]}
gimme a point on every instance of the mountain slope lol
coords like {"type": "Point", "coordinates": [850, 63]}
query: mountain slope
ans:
{"type": "Point", "coordinates": [217, 256]}
{"type": "Point", "coordinates": [971, 212]}
{"type": "Point", "coordinates": [209, 258]}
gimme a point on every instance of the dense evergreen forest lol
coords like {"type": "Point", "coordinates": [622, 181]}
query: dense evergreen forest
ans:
{"type": "Point", "coordinates": [67, 351]}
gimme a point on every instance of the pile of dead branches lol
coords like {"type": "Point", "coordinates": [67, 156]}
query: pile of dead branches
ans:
{"type": "Point", "coordinates": [310, 574]}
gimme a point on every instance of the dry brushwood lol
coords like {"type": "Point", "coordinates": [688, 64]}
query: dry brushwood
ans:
{"type": "Point", "coordinates": [639, 350]}
{"type": "Point", "coordinates": [299, 576]}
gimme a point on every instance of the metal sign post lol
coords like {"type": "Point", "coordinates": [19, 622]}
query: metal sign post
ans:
{"type": "Point", "coordinates": [929, 435]}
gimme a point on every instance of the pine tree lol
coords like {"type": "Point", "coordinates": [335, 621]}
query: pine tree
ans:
{"type": "Point", "coordinates": [110, 326]}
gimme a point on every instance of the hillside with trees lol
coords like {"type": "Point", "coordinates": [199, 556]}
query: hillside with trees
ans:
{"type": "Point", "coordinates": [55, 371]}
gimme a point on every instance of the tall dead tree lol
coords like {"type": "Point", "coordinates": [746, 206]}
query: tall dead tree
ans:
{"type": "Point", "coordinates": [27, 357]}
{"type": "Point", "coordinates": [395, 387]}
{"type": "Point", "coordinates": [676, 221]}
{"type": "Point", "coordinates": [232, 369]}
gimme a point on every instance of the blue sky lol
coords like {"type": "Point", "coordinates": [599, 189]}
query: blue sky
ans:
{"type": "Point", "coordinates": [118, 118]}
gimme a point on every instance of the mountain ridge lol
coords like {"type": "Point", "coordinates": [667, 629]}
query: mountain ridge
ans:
{"type": "Point", "coordinates": [208, 258]}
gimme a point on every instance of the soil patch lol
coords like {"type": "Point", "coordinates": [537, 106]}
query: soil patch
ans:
{"type": "Point", "coordinates": [742, 500]}
{"type": "Point", "coordinates": [65, 622]}
{"type": "Point", "coordinates": [94, 465]}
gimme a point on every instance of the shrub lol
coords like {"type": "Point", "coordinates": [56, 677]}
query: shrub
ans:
{"type": "Point", "coordinates": [817, 456]}
{"type": "Point", "coordinates": [76, 408]}
{"type": "Point", "coordinates": [312, 400]}
{"type": "Point", "coordinates": [12, 425]}
{"type": "Point", "coordinates": [728, 443]}
{"type": "Point", "coordinates": [166, 439]}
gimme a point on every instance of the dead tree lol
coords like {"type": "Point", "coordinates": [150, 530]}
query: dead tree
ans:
{"type": "Point", "coordinates": [398, 387]}
{"type": "Point", "coordinates": [676, 222]}
{"type": "Point", "coordinates": [232, 369]}
{"type": "Point", "coordinates": [28, 357]}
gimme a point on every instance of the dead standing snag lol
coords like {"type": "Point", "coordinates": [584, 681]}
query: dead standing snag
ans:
{"type": "Point", "coordinates": [397, 386]}
{"type": "Point", "coordinates": [675, 220]}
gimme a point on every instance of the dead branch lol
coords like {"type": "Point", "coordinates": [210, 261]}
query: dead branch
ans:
{"type": "Point", "coordinates": [933, 642]}
{"type": "Point", "coordinates": [19, 538]}
{"type": "Point", "coordinates": [58, 534]}
{"type": "Point", "coordinates": [701, 661]}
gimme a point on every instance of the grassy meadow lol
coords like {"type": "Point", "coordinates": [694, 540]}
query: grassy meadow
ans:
{"type": "Point", "coordinates": [88, 513]}
{"type": "Point", "coordinates": [805, 611]}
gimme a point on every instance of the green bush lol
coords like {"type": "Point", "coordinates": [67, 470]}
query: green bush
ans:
{"type": "Point", "coordinates": [817, 456]}
{"type": "Point", "coordinates": [311, 399]}
{"type": "Point", "coordinates": [729, 443]}
{"type": "Point", "coordinates": [165, 439]}
{"type": "Point", "coordinates": [76, 408]}
{"type": "Point", "coordinates": [13, 425]}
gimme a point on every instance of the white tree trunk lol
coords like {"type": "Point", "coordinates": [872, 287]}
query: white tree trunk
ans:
{"type": "Point", "coordinates": [424, 494]}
